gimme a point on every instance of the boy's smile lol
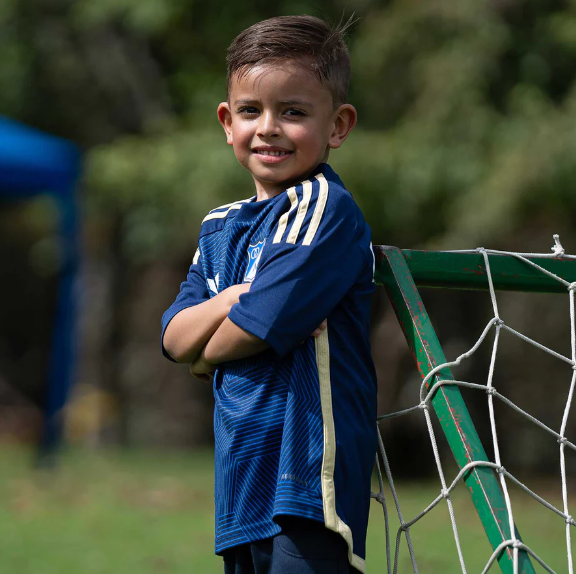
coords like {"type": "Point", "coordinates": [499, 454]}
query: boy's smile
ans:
{"type": "Point", "coordinates": [282, 123]}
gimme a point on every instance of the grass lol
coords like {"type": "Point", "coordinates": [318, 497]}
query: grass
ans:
{"type": "Point", "coordinates": [152, 513]}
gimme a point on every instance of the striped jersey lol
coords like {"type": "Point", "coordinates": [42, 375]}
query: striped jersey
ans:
{"type": "Point", "coordinates": [294, 426]}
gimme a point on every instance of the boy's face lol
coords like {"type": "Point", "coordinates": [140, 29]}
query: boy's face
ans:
{"type": "Point", "coordinates": [282, 123]}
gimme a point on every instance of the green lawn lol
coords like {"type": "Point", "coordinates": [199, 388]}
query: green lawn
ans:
{"type": "Point", "coordinates": [151, 512]}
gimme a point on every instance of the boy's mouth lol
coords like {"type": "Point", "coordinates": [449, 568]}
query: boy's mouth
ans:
{"type": "Point", "coordinates": [265, 152]}
{"type": "Point", "coordinates": [271, 150]}
{"type": "Point", "coordinates": [272, 155]}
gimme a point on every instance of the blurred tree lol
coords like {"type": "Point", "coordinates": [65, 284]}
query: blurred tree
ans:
{"type": "Point", "coordinates": [466, 136]}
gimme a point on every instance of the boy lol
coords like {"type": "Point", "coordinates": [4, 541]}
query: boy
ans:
{"type": "Point", "coordinates": [295, 414]}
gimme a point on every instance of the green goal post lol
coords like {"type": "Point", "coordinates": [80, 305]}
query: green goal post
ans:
{"type": "Point", "coordinates": [402, 272]}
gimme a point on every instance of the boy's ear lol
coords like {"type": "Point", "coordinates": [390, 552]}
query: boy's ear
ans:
{"type": "Point", "coordinates": [225, 119]}
{"type": "Point", "coordinates": [344, 120]}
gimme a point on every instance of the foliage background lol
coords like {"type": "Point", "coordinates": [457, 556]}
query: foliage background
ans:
{"type": "Point", "coordinates": [466, 137]}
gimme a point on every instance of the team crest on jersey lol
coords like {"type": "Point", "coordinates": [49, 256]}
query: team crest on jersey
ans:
{"type": "Point", "coordinates": [254, 253]}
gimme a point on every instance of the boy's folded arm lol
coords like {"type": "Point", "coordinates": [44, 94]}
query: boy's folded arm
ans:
{"type": "Point", "coordinates": [230, 343]}
{"type": "Point", "coordinates": [306, 268]}
{"type": "Point", "coordinates": [190, 329]}
{"type": "Point", "coordinates": [301, 277]}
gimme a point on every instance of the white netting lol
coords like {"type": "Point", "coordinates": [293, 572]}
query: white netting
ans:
{"type": "Point", "coordinates": [496, 324]}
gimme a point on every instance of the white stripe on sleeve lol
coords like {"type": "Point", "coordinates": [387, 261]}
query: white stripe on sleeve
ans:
{"type": "Point", "coordinates": [301, 214]}
{"type": "Point", "coordinates": [318, 211]}
{"type": "Point", "coordinates": [221, 214]}
{"type": "Point", "coordinates": [284, 219]}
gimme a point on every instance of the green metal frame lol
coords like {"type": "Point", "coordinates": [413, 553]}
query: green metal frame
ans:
{"type": "Point", "coordinates": [402, 272]}
{"type": "Point", "coordinates": [452, 270]}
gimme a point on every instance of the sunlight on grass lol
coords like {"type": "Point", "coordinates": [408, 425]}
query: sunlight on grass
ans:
{"type": "Point", "coordinates": [152, 512]}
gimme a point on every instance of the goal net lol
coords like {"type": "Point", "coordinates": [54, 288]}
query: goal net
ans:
{"type": "Point", "coordinates": [488, 481]}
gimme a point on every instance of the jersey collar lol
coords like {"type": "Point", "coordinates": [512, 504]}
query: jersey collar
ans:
{"type": "Point", "coordinates": [328, 173]}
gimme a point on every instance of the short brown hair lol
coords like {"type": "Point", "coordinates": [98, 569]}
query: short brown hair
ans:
{"type": "Point", "coordinates": [312, 42]}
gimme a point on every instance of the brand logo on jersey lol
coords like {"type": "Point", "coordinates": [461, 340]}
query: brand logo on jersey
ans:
{"type": "Point", "coordinates": [254, 253]}
{"type": "Point", "coordinates": [213, 284]}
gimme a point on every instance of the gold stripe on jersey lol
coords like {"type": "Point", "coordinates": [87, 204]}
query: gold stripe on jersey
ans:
{"type": "Point", "coordinates": [221, 214]}
{"type": "Point", "coordinates": [331, 519]}
{"type": "Point", "coordinates": [318, 211]}
{"type": "Point", "coordinates": [196, 256]}
{"type": "Point", "coordinates": [229, 204]}
{"type": "Point", "coordinates": [301, 214]}
{"type": "Point", "coordinates": [284, 219]}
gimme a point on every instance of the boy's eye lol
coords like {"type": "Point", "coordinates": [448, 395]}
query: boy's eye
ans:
{"type": "Point", "coordinates": [294, 112]}
{"type": "Point", "coordinates": [248, 110]}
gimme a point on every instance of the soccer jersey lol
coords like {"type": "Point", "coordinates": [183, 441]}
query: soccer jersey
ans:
{"type": "Point", "coordinates": [295, 426]}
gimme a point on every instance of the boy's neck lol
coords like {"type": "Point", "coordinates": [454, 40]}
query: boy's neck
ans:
{"type": "Point", "coordinates": [265, 190]}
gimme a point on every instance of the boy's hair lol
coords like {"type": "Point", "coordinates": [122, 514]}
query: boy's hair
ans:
{"type": "Point", "coordinates": [313, 43]}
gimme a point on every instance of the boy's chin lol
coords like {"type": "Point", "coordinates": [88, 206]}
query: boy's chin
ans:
{"type": "Point", "coordinates": [281, 179]}
{"type": "Point", "coordinates": [277, 184]}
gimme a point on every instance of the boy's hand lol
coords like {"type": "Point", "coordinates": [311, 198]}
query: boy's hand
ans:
{"type": "Point", "coordinates": [235, 291]}
{"type": "Point", "coordinates": [317, 332]}
{"type": "Point", "coordinates": [202, 369]}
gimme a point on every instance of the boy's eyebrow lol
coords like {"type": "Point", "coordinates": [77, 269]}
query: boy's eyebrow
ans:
{"type": "Point", "coordinates": [297, 103]}
{"type": "Point", "coordinates": [246, 102]}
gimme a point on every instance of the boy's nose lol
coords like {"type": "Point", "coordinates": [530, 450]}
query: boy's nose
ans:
{"type": "Point", "coordinates": [268, 126]}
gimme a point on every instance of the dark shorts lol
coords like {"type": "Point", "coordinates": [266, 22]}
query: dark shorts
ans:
{"type": "Point", "coordinates": [303, 547]}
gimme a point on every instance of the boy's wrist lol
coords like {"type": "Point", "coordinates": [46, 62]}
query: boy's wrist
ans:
{"type": "Point", "coordinates": [233, 294]}
{"type": "Point", "coordinates": [231, 299]}
{"type": "Point", "coordinates": [202, 357]}
{"type": "Point", "coordinates": [207, 359]}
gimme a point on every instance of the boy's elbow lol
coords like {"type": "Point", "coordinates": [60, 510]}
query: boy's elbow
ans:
{"type": "Point", "coordinates": [175, 348]}
{"type": "Point", "coordinates": [170, 349]}
{"type": "Point", "coordinates": [182, 355]}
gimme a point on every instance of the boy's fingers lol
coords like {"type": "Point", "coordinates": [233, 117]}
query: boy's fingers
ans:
{"type": "Point", "coordinates": [317, 332]}
{"type": "Point", "coordinates": [200, 374]}
{"type": "Point", "coordinates": [204, 377]}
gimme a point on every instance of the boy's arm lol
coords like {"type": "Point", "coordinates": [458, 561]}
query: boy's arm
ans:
{"type": "Point", "coordinates": [230, 342]}
{"type": "Point", "coordinates": [191, 328]}
{"type": "Point", "coordinates": [307, 267]}
{"type": "Point", "coordinates": [193, 318]}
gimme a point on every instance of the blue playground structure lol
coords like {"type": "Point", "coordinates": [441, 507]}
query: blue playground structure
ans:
{"type": "Point", "coordinates": [32, 163]}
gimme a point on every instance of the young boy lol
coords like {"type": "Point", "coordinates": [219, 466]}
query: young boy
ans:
{"type": "Point", "coordinates": [295, 414]}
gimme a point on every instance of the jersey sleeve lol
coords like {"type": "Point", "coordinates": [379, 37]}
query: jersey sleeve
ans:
{"type": "Point", "coordinates": [192, 292]}
{"type": "Point", "coordinates": [311, 259]}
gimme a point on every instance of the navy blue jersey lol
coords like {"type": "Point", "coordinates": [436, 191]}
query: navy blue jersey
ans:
{"type": "Point", "coordinates": [295, 426]}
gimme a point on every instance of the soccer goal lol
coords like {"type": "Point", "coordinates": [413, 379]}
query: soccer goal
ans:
{"type": "Point", "coordinates": [403, 272]}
